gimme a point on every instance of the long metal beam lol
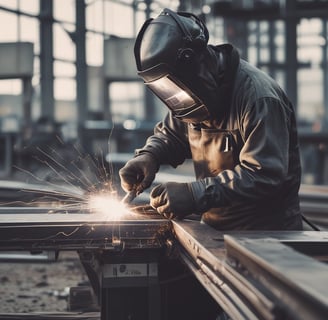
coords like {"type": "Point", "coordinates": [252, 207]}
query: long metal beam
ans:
{"type": "Point", "coordinates": [314, 205]}
{"type": "Point", "coordinates": [78, 231]}
{"type": "Point", "coordinates": [115, 253]}
{"type": "Point", "coordinates": [298, 293]}
{"type": "Point", "coordinates": [247, 283]}
{"type": "Point", "coordinates": [274, 11]}
{"type": "Point", "coordinates": [251, 275]}
{"type": "Point", "coordinates": [51, 316]}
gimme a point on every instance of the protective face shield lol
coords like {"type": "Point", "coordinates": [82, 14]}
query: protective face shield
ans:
{"type": "Point", "coordinates": [162, 46]}
{"type": "Point", "coordinates": [183, 104]}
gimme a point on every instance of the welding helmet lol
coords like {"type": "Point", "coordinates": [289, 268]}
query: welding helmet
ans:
{"type": "Point", "coordinates": [167, 52]}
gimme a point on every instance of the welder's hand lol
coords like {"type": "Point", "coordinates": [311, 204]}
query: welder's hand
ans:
{"type": "Point", "coordinates": [173, 200]}
{"type": "Point", "coordinates": [138, 173]}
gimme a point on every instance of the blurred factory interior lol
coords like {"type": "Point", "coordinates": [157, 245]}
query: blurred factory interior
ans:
{"type": "Point", "coordinates": [73, 110]}
{"type": "Point", "coordinates": [68, 75]}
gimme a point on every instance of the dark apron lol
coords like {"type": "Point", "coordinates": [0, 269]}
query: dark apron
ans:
{"type": "Point", "coordinates": [215, 150]}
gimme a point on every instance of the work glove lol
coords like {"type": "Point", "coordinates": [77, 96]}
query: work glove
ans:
{"type": "Point", "coordinates": [177, 200]}
{"type": "Point", "coordinates": [138, 173]}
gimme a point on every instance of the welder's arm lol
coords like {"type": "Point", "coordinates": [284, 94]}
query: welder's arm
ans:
{"type": "Point", "coordinates": [262, 168]}
{"type": "Point", "coordinates": [168, 145]}
{"type": "Point", "coordinates": [138, 173]}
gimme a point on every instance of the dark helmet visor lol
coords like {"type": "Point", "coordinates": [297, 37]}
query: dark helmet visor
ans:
{"type": "Point", "coordinates": [184, 105]}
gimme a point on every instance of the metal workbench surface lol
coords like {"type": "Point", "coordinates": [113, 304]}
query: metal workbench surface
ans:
{"type": "Point", "coordinates": [259, 274]}
{"type": "Point", "coordinates": [251, 275]}
{"type": "Point", "coordinates": [73, 231]}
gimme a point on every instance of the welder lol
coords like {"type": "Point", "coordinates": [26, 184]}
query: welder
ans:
{"type": "Point", "coordinates": [234, 122]}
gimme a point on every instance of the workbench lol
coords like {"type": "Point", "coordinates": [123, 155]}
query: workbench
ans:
{"type": "Point", "coordinates": [249, 275]}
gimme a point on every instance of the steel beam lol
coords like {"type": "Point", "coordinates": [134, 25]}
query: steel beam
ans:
{"type": "Point", "coordinates": [298, 282]}
{"type": "Point", "coordinates": [251, 275]}
{"type": "Point", "coordinates": [227, 265]}
{"type": "Point", "coordinates": [120, 257]}
{"type": "Point", "coordinates": [60, 231]}
{"type": "Point", "coordinates": [46, 59]}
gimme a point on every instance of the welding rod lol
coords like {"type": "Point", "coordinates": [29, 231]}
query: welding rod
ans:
{"type": "Point", "coordinates": [128, 198]}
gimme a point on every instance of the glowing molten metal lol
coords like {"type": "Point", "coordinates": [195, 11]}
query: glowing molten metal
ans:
{"type": "Point", "coordinates": [106, 203]}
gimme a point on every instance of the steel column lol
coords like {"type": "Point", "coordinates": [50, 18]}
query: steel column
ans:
{"type": "Point", "coordinates": [81, 65]}
{"type": "Point", "coordinates": [46, 59]}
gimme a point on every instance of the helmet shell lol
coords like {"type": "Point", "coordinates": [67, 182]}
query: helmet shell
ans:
{"type": "Point", "coordinates": [165, 38]}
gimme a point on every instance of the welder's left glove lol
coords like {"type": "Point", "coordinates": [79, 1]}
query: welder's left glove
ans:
{"type": "Point", "coordinates": [177, 200]}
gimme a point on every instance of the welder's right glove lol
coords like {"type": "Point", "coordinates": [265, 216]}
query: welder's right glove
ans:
{"type": "Point", "coordinates": [177, 200]}
{"type": "Point", "coordinates": [139, 172]}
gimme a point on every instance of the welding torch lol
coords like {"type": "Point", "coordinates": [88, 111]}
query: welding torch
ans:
{"type": "Point", "coordinates": [132, 194]}
{"type": "Point", "coordinates": [145, 209]}
{"type": "Point", "coordinates": [128, 198]}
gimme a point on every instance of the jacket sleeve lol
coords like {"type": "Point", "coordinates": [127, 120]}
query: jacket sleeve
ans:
{"type": "Point", "coordinates": [169, 143]}
{"type": "Point", "coordinates": [263, 159]}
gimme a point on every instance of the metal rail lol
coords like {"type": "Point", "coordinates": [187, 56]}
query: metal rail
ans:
{"type": "Point", "coordinates": [314, 205]}
{"type": "Point", "coordinates": [251, 275]}
{"type": "Point", "coordinates": [78, 231]}
{"type": "Point", "coordinates": [116, 255]}
{"type": "Point", "coordinates": [258, 275]}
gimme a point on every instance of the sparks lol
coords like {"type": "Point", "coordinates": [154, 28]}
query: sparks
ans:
{"type": "Point", "coordinates": [106, 203]}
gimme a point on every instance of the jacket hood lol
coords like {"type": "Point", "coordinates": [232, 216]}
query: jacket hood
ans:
{"type": "Point", "coordinates": [213, 77]}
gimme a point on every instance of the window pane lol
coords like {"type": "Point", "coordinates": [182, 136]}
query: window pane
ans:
{"type": "Point", "coordinates": [29, 30]}
{"type": "Point", "coordinates": [64, 69]}
{"type": "Point", "coordinates": [8, 34]}
{"type": "Point", "coordinates": [64, 48]}
{"type": "Point", "coordinates": [64, 10]}
{"type": "Point", "coordinates": [94, 49]}
{"type": "Point", "coordinates": [11, 87]}
{"type": "Point", "coordinates": [95, 14]}
{"type": "Point", "coordinates": [64, 89]}
{"type": "Point", "coordinates": [310, 94]}
{"type": "Point", "coordinates": [29, 6]}
{"type": "Point", "coordinates": [123, 106]}
{"type": "Point", "coordinates": [119, 20]}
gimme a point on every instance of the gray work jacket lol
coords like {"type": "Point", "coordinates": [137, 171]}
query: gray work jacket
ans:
{"type": "Point", "coordinates": [252, 152]}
